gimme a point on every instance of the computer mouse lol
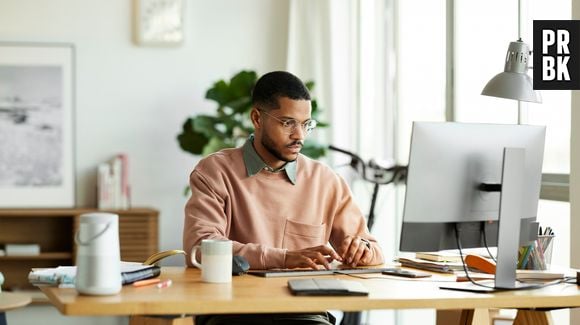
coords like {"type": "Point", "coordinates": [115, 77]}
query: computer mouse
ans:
{"type": "Point", "coordinates": [239, 265]}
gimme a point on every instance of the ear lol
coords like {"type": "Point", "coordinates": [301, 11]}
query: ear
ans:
{"type": "Point", "coordinates": [255, 118]}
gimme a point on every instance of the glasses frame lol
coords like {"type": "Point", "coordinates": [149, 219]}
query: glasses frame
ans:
{"type": "Point", "coordinates": [291, 129]}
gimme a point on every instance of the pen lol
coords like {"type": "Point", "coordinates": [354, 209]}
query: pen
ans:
{"type": "Point", "coordinates": [164, 284]}
{"type": "Point", "coordinates": [145, 282]}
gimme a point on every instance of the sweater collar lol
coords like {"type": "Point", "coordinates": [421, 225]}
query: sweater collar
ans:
{"type": "Point", "coordinates": [254, 164]}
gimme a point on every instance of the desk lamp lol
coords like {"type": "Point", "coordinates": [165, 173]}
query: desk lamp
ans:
{"type": "Point", "coordinates": [514, 82]}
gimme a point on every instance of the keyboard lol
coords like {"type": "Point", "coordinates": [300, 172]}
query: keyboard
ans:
{"type": "Point", "coordinates": [273, 273]}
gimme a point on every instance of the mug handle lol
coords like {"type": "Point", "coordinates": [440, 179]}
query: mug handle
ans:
{"type": "Point", "coordinates": [192, 257]}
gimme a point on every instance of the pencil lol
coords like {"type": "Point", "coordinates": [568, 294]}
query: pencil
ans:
{"type": "Point", "coordinates": [145, 282]}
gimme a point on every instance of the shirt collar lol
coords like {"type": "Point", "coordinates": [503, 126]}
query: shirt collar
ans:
{"type": "Point", "coordinates": [254, 164]}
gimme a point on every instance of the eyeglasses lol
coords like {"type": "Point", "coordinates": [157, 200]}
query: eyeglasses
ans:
{"type": "Point", "coordinates": [290, 125]}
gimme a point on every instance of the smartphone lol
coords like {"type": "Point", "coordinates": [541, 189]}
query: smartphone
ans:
{"type": "Point", "coordinates": [407, 274]}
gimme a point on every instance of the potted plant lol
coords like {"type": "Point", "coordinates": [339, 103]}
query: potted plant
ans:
{"type": "Point", "coordinates": [230, 126]}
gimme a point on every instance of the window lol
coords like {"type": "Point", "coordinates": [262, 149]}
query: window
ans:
{"type": "Point", "coordinates": [435, 83]}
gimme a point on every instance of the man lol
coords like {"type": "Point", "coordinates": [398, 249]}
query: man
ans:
{"type": "Point", "coordinates": [279, 208]}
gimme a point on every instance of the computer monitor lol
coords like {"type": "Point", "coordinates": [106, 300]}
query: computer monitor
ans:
{"type": "Point", "coordinates": [460, 176]}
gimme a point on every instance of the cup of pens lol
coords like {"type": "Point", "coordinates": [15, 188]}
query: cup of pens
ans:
{"type": "Point", "coordinates": [538, 255]}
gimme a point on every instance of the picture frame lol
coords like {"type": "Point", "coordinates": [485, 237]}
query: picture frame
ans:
{"type": "Point", "coordinates": [37, 166]}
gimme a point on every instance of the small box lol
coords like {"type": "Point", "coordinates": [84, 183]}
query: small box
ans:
{"type": "Point", "coordinates": [22, 249]}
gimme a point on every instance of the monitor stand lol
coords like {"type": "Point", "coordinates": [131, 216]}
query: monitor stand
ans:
{"type": "Point", "coordinates": [510, 207]}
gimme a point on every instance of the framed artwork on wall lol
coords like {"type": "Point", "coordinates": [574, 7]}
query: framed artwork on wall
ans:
{"type": "Point", "coordinates": [158, 22]}
{"type": "Point", "coordinates": [37, 125]}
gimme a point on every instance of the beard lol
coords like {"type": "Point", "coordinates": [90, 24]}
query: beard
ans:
{"type": "Point", "coordinates": [268, 143]}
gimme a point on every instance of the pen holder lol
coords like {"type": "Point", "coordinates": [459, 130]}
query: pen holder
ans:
{"type": "Point", "coordinates": [538, 255]}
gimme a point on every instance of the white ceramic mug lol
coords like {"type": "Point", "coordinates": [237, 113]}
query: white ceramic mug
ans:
{"type": "Point", "coordinates": [216, 260]}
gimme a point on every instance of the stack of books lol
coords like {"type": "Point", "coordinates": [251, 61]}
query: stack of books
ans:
{"type": "Point", "coordinates": [442, 256]}
{"type": "Point", "coordinates": [113, 184]}
{"type": "Point", "coordinates": [450, 262]}
{"type": "Point", "coordinates": [434, 266]}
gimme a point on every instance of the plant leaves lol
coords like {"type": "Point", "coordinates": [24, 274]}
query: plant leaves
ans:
{"type": "Point", "coordinates": [207, 125]}
{"type": "Point", "coordinates": [240, 105]}
{"type": "Point", "coordinates": [313, 149]}
{"type": "Point", "coordinates": [219, 92]}
{"type": "Point", "coordinates": [190, 140]}
{"type": "Point", "coordinates": [241, 84]}
{"type": "Point", "coordinates": [215, 144]}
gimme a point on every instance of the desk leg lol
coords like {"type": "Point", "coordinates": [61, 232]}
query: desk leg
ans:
{"type": "Point", "coordinates": [533, 317]}
{"type": "Point", "coordinates": [160, 320]}
{"type": "Point", "coordinates": [478, 316]}
{"type": "Point", "coordinates": [2, 317]}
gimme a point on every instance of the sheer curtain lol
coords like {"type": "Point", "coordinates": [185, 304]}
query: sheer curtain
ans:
{"type": "Point", "coordinates": [321, 48]}
{"type": "Point", "coordinates": [343, 45]}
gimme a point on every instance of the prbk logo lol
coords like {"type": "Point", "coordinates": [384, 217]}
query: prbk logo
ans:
{"type": "Point", "coordinates": [557, 54]}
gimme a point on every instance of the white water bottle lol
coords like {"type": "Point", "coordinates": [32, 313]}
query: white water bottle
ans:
{"type": "Point", "coordinates": [98, 254]}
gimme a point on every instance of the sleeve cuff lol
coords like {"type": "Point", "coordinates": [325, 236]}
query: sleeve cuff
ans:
{"type": "Point", "coordinates": [274, 258]}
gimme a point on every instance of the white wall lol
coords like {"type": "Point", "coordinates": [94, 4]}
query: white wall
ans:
{"type": "Point", "coordinates": [134, 99]}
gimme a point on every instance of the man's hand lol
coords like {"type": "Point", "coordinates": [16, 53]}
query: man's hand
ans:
{"type": "Point", "coordinates": [311, 257]}
{"type": "Point", "coordinates": [354, 251]}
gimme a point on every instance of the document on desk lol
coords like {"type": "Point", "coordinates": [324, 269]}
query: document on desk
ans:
{"type": "Point", "coordinates": [327, 287]}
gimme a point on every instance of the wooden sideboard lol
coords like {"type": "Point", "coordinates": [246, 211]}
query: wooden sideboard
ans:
{"type": "Point", "coordinates": [54, 230]}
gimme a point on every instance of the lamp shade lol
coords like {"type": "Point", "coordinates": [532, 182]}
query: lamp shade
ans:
{"type": "Point", "coordinates": [514, 83]}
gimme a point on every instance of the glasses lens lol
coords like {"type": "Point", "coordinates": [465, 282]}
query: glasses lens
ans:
{"type": "Point", "coordinates": [290, 125]}
{"type": "Point", "coordinates": [309, 126]}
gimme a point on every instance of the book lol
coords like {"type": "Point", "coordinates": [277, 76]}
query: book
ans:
{"type": "Point", "coordinates": [22, 249]}
{"type": "Point", "coordinates": [161, 255]}
{"type": "Point", "coordinates": [441, 256]}
{"type": "Point", "coordinates": [113, 183]}
{"type": "Point", "coordinates": [538, 275]}
{"type": "Point", "coordinates": [441, 267]}
{"type": "Point", "coordinates": [140, 273]}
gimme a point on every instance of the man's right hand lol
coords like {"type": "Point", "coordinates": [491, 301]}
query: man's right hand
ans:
{"type": "Point", "coordinates": [311, 257]}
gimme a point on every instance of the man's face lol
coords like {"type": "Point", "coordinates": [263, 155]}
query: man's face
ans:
{"type": "Point", "coordinates": [276, 145]}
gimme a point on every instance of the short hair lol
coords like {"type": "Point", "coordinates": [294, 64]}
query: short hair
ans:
{"type": "Point", "coordinates": [273, 85]}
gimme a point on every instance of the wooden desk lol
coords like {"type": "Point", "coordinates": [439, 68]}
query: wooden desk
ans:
{"type": "Point", "coordinates": [250, 294]}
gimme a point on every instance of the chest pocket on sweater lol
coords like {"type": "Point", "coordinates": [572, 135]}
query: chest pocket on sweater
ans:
{"type": "Point", "coordinates": [301, 235]}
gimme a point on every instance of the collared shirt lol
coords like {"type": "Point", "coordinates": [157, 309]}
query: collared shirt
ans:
{"type": "Point", "coordinates": [254, 164]}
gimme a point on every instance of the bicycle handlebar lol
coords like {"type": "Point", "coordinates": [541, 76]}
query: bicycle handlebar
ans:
{"type": "Point", "coordinates": [380, 173]}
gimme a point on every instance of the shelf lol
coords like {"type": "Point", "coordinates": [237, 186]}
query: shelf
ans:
{"type": "Point", "coordinates": [42, 256]}
{"type": "Point", "coordinates": [53, 231]}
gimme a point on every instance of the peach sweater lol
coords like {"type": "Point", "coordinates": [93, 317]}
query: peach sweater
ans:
{"type": "Point", "coordinates": [265, 214]}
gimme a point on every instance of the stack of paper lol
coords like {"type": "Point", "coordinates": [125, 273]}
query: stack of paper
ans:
{"type": "Point", "coordinates": [442, 267]}
{"type": "Point", "coordinates": [441, 256]}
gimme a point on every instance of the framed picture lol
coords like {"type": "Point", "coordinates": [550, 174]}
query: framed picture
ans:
{"type": "Point", "coordinates": [36, 125]}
